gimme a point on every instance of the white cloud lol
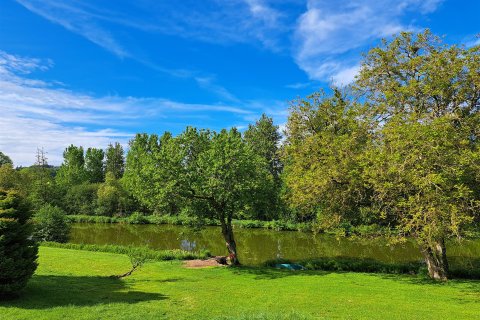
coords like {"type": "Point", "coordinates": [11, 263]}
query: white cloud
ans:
{"type": "Point", "coordinates": [211, 21]}
{"type": "Point", "coordinates": [37, 114]}
{"type": "Point", "coordinates": [298, 85]}
{"type": "Point", "coordinates": [330, 31]}
{"type": "Point", "coordinates": [473, 43]}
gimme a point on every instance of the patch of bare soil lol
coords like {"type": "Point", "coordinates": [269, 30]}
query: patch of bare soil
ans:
{"type": "Point", "coordinates": [201, 263]}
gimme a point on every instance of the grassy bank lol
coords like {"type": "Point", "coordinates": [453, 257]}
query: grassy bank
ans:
{"type": "Point", "coordinates": [189, 221]}
{"type": "Point", "coordinates": [277, 225]}
{"type": "Point", "coordinates": [159, 255]}
{"type": "Point", "coordinates": [76, 284]}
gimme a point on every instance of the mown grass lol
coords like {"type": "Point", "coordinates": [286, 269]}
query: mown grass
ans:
{"type": "Point", "coordinates": [159, 255]}
{"type": "Point", "coordinates": [75, 284]}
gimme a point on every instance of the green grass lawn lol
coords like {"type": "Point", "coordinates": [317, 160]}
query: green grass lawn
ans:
{"type": "Point", "coordinates": [74, 284]}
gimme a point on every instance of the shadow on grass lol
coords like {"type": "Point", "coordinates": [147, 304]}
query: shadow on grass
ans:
{"type": "Point", "coordinates": [414, 271]}
{"type": "Point", "coordinates": [44, 292]}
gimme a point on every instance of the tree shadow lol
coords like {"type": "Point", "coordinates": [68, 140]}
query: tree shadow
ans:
{"type": "Point", "coordinates": [45, 291]}
{"type": "Point", "coordinates": [462, 268]}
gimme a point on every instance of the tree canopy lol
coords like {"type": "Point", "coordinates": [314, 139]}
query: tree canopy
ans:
{"type": "Point", "coordinates": [213, 174]}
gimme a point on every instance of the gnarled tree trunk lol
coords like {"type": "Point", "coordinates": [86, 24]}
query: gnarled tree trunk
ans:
{"type": "Point", "coordinates": [227, 232]}
{"type": "Point", "coordinates": [435, 255]}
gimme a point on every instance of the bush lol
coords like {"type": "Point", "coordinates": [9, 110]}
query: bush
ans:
{"type": "Point", "coordinates": [51, 224]}
{"type": "Point", "coordinates": [18, 253]}
{"type": "Point", "coordinates": [92, 219]}
{"type": "Point", "coordinates": [137, 218]}
{"type": "Point", "coordinates": [81, 199]}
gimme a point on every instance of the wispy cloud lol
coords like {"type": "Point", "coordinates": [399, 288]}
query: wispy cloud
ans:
{"type": "Point", "coordinates": [77, 20]}
{"type": "Point", "coordinates": [37, 113]}
{"type": "Point", "coordinates": [210, 21]}
{"type": "Point", "coordinates": [329, 32]}
{"type": "Point", "coordinates": [298, 85]}
{"type": "Point", "coordinates": [238, 21]}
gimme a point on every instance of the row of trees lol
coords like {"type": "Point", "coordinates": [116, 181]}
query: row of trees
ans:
{"type": "Point", "coordinates": [399, 148]}
{"type": "Point", "coordinates": [87, 182]}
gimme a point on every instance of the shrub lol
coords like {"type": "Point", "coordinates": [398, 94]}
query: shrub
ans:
{"type": "Point", "coordinates": [81, 199]}
{"type": "Point", "coordinates": [137, 218]}
{"type": "Point", "coordinates": [18, 253]}
{"type": "Point", "coordinates": [50, 224]}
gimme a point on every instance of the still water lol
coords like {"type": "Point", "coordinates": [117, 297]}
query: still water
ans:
{"type": "Point", "coordinates": [258, 245]}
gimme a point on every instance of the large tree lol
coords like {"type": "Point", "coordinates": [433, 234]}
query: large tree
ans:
{"type": "Point", "coordinates": [324, 145]}
{"type": "Point", "coordinates": [423, 177]}
{"type": "Point", "coordinates": [94, 165]}
{"type": "Point", "coordinates": [263, 138]}
{"type": "Point", "coordinates": [72, 171]}
{"type": "Point", "coordinates": [423, 100]}
{"type": "Point", "coordinates": [115, 160]}
{"type": "Point", "coordinates": [215, 174]}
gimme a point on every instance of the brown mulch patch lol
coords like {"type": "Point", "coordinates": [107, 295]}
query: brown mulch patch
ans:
{"type": "Point", "coordinates": [201, 263]}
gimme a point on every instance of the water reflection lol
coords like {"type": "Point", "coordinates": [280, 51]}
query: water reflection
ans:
{"type": "Point", "coordinates": [257, 245]}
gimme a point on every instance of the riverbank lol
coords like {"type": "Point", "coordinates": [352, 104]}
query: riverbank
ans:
{"type": "Point", "coordinates": [464, 268]}
{"type": "Point", "coordinates": [76, 284]}
{"type": "Point", "coordinates": [277, 225]}
{"type": "Point", "coordinates": [158, 255]}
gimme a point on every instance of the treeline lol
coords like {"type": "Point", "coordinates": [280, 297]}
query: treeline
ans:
{"type": "Point", "coordinates": [398, 149]}
{"type": "Point", "coordinates": [87, 182]}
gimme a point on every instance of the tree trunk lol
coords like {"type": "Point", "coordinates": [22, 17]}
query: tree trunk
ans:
{"type": "Point", "coordinates": [227, 233]}
{"type": "Point", "coordinates": [435, 256]}
{"type": "Point", "coordinates": [126, 274]}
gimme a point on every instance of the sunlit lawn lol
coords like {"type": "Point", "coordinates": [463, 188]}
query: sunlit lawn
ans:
{"type": "Point", "coordinates": [72, 284]}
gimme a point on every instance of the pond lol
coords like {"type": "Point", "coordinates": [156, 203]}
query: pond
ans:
{"type": "Point", "coordinates": [255, 246]}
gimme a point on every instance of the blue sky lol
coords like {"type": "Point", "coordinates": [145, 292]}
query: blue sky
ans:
{"type": "Point", "coordinates": [91, 72]}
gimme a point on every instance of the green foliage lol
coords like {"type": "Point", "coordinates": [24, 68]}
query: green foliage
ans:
{"type": "Point", "coordinates": [406, 158]}
{"type": "Point", "coordinates": [9, 177]}
{"type": "Point", "coordinates": [417, 74]}
{"type": "Point", "coordinates": [325, 142]}
{"type": "Point", "coordinates": [4, 159]}
{"type": "Point", "coordinates": [423, 104]}
{"type": "Point", "coordinates": [205, 174]}
{"type": "Point", "coordinates": [72, 171]}
{"type": "Point", "coordinates": [39, 184]}
{"type": "Point", "coordinates": [115, 160]}
{"type": "Point", "coordinates": [353, 265]}
{"type": "Point", "coordinates": [112, 198]}
{"type": "Point", "coordinates": [18, 253]}
{"type": "Point", "coordinates": [421, 177]}
{"type": "Point", "coordinates": [50, 224]}
{"type": "Point", "coordinates": [137, 218]}
{"type": "Point", "coordinates": [94, 165]}
{"type": "Point", "coordinates": [264, 139]}
{"type": "Point", "coordinates": [81, 218]}
{"type": "Point", "coordinates": [81, 199]}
